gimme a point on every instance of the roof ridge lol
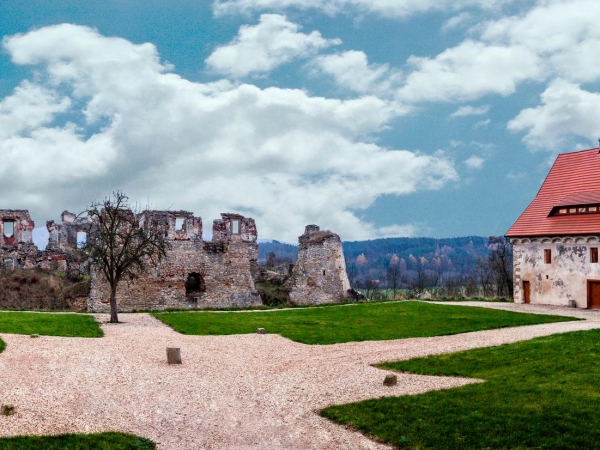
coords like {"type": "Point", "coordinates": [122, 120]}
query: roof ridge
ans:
{"type": "Point", "coordinates": [580, 151]}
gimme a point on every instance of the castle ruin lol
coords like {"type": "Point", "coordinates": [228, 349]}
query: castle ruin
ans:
{"type": "Point", "coordinates": [195, 273]}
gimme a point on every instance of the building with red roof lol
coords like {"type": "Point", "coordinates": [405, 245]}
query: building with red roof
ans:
{"type": "Point", "coordinates": [556, 239]}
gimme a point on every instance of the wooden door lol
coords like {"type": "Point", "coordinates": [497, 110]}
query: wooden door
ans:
{"type": "Point", "coordinates": [526, 292]}
{"type": "Point", "coordinates": [593, 294]}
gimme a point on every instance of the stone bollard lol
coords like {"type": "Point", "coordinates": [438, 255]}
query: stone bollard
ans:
{"type": "Point", "coordinates": [7, 410]}
{"type": "Point", "coordinates": [390, 380]}
{"type": "Point", "coordinates": [261, 331]}
{"type": "Point", "coordinates": [173, 355]}
{"type": "Point", "coordinates": [572, 304]}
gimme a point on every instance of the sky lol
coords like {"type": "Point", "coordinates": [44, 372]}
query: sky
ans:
{"type": "Point", "coordinates": [371, 118]}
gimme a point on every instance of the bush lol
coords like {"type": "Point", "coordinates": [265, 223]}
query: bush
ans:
{"type": "Point", "coordinates": [273, 293]}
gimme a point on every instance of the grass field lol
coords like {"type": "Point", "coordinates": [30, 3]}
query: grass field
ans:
{"type": "Point", "coordinates": [357, 322]}
{"type": "Point", "coordinates": [538, 394]}
{"type": "Point", "coordinates": [49, 324]}
{"type": "Point", "coordinates": [102, 441]}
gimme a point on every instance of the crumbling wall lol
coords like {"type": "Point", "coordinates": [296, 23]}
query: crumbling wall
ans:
{"type": "Point", "coordinates": [66, 235]}
{"type": "Point", "coordinates": [17, 249]}
{"type": "Point", "coordinates": [16, 227]}
{"type": "Point", "coordinates": [195, 273]}
{"type": "Point", "coordinates": [561, 280]}
{"type": "Point", "coordinates": [319, 275]}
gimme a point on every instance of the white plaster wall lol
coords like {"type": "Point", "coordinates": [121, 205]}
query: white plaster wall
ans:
{"type": "Point", "coordinates": [564, 279]}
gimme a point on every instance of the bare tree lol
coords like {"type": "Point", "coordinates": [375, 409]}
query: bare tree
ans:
{"type": "Point", "coordinates": [487, 278]}
{"type": "Point", "coordinates": [121, 244]}
{"type": "Point", "coordinates": [452, 285]}
{"type": "Point", "coordinates": [352, 273]}
{"type": "Point", "coordinates": [394, 278]}
{"type": "Point", "coordinates": [500, 261]}
{"type": "Point", "coordinates": [369, 288]}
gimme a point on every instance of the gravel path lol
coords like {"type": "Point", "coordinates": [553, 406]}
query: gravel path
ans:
{"type": "Point", "coordinates": [232, 392]}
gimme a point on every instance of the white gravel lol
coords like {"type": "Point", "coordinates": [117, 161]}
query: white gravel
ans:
{"type": "Point", "coordinates": [232, 392]}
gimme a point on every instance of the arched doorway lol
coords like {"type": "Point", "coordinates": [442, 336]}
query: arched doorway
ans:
{"type": "Point", "coordinates": [194, 286]}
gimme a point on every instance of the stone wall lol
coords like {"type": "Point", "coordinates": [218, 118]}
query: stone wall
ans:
{"type": "Point", "coordinates": [195, 273]}
{"type": "Point", "coordinates": [65, 235]}
{"type": "Point", "coordinates": [16, 227]}
{"type": "Point", "coordinates": [564, 278]}
{"type": "Point", "coordinates": [17, 250]}
{"type": "Point", "coordinates": [319, 275]}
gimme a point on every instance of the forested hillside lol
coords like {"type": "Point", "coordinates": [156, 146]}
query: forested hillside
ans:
{"type": "Point", "coordinates": [452, 267]}
{"type": "Point", "coordinates": [456, 254]}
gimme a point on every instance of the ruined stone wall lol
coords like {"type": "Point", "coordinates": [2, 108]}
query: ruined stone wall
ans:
{"type": "Point", "coordinates": [19, 252]}
{"type": "Point", "coordinates": [564, 279]}
{"type": "Point", "coordinates": [16, 227]}
{"type": "Point", "coordinates": [223, 268]}
{"type": "Point", "coordinates": [17, 249]}
{"type": "Point", "coordinates": [319, 275]}
{"type": "Point", "coordinates": [64, 236]}
{"type": "Point", "coordinates": [178, 225]}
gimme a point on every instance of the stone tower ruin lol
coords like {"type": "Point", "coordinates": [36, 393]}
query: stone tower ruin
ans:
{"type": "Point", "coordinates": [319, 275]}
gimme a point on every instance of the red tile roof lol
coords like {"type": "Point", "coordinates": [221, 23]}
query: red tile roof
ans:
{"type": "Point", "coordinates": [574, 179]}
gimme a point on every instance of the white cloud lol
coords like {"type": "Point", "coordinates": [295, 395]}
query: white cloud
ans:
{"type": "Point", "coordinates": [260, 48]}
{"type": "Point", "coordinates": [457, 21]}
{"type": "Point", "coordinates": [483, 123]}
{"type": "Point", "coordinates": [474, 162]}
{"type": "Point", "coordinates": [565, 34]}
{"type": "Point", "coordinates": [386, 8]}
{"type": "Point", "coordinates": [352, 70]}
{"type": "Point", "coordinates": [468, 72]}
{"type": "Point", "coordinates": [29, 107]}
{"type": "Point", "coordinates": [566, 110]}
{"type": "Point", "coordinates": [469, 110]}
{"type": "Point", "coordinates": [278, 155]}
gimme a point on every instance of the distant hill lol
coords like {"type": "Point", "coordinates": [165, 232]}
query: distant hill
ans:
{"type": "Point", "coordinates": [281, 250]}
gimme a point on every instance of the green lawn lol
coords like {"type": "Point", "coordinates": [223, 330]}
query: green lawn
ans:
{"type": "Point", "coordinates": [50, 324]}
{"type": "Point", "coordinates": [357, 322]}
{"type": "Point", "coordinates": [538, 394]}
{"type": "Point", "coordinates": [102, 441]}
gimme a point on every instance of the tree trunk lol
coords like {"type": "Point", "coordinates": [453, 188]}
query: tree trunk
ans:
{"type": "Point", "coordinates": [114, 318]}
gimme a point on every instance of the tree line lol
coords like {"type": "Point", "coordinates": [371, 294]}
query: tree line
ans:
{"type": "Point", "coordinates": [420, 267]}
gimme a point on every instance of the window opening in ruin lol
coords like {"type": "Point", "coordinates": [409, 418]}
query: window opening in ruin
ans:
{"type": "Point", "coordinates": [548, 256]}
{"type": "Point", "coordinates": [194, 285]}
{"type": "Point", "coordinates": [323, 271]}
{"type": "Point", "coordinates": [235, 226]}
{"type": "Point", "coordinates": [9, 228]}
{"type": "Point", "coordinates": [179, 221]}
{"type": "Point", "coordinates": [81, 239]}
{"type": "Point", "coordinates": [594, 254]}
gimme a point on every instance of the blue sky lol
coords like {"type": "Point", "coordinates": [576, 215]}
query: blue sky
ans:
{"type": "Point", "coordinates": [373, 118]}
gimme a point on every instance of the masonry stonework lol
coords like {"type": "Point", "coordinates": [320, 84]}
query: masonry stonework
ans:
{"type": "Point", "coordinates": [70, 233]}
{"type": "Point", "coordinates": [562, 280]}
{"type": "Point", "coordinates": [319, 275]}
{"type": "Point", "coordinates": [17, 250]}
{"type": "Point", "coordinates": [195, 273]}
